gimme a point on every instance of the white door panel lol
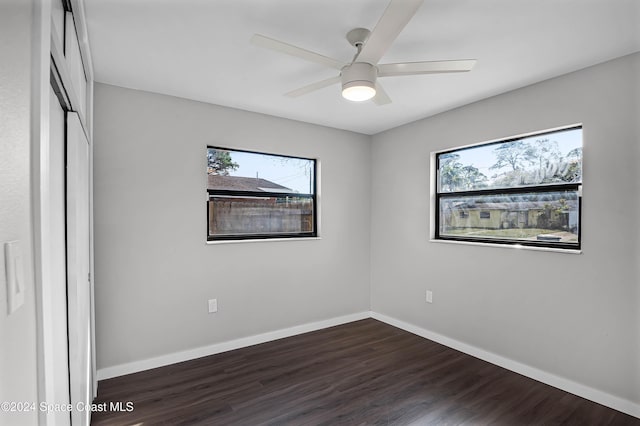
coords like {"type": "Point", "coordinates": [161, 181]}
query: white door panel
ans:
{"type": "Point", "coordinates": [75, 66]}
{"type": "Point", "coordinates": [78, 284]}
{"type": "Point", "coordinates": [55, 285]}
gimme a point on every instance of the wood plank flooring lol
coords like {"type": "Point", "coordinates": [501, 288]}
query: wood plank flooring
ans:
{"type": "Point", "coordinates": [361, 373]}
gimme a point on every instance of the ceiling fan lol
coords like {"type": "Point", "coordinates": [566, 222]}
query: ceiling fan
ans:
{"type": "Point", "coordinates": [359, 77]}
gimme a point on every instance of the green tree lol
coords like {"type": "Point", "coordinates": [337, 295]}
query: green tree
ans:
{"type": "Point", "coordinates": [573, 172]}
{"type": "Point", "coordinates": [546, 155]}
{"type": "Point", "coordinates": [472, 178]}
{"type": "Point", "coordinates": [449, 172]}
{"type": "Point", "coordinates": [219, 162]}
{"type": "Point", "coordinates": [515, 154]}
{"type": "Point", "coordinates": [543, 153]}
{"type": "Point", "coordinates": [575, 153]}
{"type": "Point", "coordinates": [454, 176]}
{"type": "Point", "coordinates": [555, 215]}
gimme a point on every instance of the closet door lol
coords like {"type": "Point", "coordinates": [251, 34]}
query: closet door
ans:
{"type": "Point", "coordinates": [78, 279]}
{"type": "Point", "coordinates": [75, 66]}
{"type": "Point", "coordinates": [54, 293]}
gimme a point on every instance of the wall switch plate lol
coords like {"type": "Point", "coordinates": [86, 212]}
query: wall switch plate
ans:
{"type": "Point", "coordinates": [429, 296]}
{"type": "Point", "coordinates": [14, 276]}
{"type": "Point", "coordinates": [213, 305]}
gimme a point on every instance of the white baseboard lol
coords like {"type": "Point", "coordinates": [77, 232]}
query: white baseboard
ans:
{"type": "Point", "coordinates": [160, 361]}
{"type": "Point", "coordinates": [606, 399]}
{"type": "Point", "coordinates": [567, 385]}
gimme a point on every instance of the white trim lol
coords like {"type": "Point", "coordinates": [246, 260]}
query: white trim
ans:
{"type": "Point", "coordinates": [595, 395]}
{"type": "Point", "coordinates": [507, 246]}
{"type": "Point", "coordinates": [41, 203]}
{"type": "Point", "coordinates": [80, 18]}
{"type": "Point", "coordinates": [146, 364]}
{"type": "Point", "coordinates": [60, 62]}
{"type": "Point", "coordinates": [262, 240]}
{"type": "Point", "coordinates": [512, 137]}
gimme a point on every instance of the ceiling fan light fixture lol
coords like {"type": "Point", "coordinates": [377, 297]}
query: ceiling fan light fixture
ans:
{"type": "Point", "coordinates": [359, 81]}
{"type": "Point", "coordinates": [358, 91]}
{"type": "Point", "coordinates": [359, 78]}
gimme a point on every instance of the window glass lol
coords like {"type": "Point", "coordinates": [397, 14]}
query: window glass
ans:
{"type": "Point", "coordinates": [553, 158]}
{"type": "Point", "coordinates": [260, 215]}
{"type": "Point", "coordinates": [259, 195]}
{"type": "Point", "coordinates": [517, 191]}
{"type": "Point", "coordinates": [533, 216]}
{"type": "Point", "coordinates": [252, 171]}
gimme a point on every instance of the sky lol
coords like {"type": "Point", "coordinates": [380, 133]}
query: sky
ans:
{"type": "Point", "coordinates": [483, 157]}
{"type": "Point", "coordinates": [297, 174]}
{"type": "Point", "coordinates": [292, 173]}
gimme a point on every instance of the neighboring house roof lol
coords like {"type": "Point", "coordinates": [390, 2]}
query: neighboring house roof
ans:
{"type": "Point", "coordinates": [524, 205]}
{"type": "Point", "coordinates": [239, 183]}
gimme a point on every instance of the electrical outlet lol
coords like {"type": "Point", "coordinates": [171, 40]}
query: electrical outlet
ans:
{"type": "Point", "coordinates": [429, 298]}
{"type": "Point", "coordinates": [213, 305]}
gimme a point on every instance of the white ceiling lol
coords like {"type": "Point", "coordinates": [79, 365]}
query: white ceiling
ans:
{"type": "Point", "coordinates": [199, 49]}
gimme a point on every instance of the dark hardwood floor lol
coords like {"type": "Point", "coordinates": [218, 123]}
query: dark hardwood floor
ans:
{"type": "Point", "coordinates": [361, 373]}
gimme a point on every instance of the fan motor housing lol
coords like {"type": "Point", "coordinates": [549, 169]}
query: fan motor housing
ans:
{"type": "Point", "coordinates": [359, 74]}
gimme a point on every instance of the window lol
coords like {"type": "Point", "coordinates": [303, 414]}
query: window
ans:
{"type": "Point", "coordinates": [256, 195]}
{"type": "Point", "coordinates": [524, 191]}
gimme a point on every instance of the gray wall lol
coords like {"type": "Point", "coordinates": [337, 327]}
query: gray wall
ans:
{"type": "Point", "coordinates": [18, 380]}
{"type": "Point", "coordinates": [154, 271]}
{"type": "Point", "coordinates": [574, 316]}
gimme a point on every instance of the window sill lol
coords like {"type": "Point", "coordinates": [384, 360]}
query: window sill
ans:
{"type": "Point", "coordinates": [262, 240]}
{"type": "Point", "coordinates": [508, 246]}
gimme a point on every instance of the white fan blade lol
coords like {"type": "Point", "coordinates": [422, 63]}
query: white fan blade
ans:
{"type": "Point", "coordinates": [431, 67]}
{"type": "Point", "coordinates": [381, 97]}
{"type": "Point", "coordinates": [289, 49]}
{"type": "Point", "coordinates": [392, 22]}
{"type": "Point", "coordinates": [313, 86]}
